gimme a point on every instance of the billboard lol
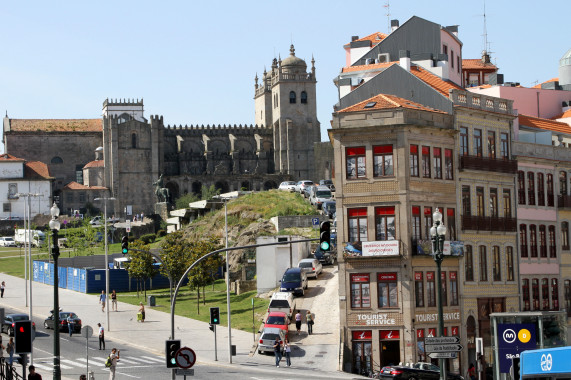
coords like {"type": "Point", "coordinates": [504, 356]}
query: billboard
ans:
{"type": "Point", "coordinates": [512, 340]}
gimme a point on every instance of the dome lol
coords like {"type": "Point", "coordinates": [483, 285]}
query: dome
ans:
{"type": "Point", "coordinates": [566, 59]}
{"type": "Point", "coordinates": [292, 60]}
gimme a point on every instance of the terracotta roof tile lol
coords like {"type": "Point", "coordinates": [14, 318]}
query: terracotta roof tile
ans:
{"type": "Point", "coordinates": [563, 115]}
{"type": "Point", "coordinates": [434, 81]}
{"type": "Point", "coordinates": [78, 186]}
{"type": "Point", "coordinates": [367, 67]}
{"type": "Point", "coordinates": [56, 125]}
{"type": "Point", "coordinates": [384, 101]}
{"type": "Point", "coordinates": [471, 64]}
{"type": "Point", "coordinates": [9, 157]}
{"type": "Point", "coordinates": [547, 81]}
{"type": "Point", "coordinates": [375, 38]}
{"type": "Point", "coordinates": [36, 170]}
{"type": "Point", "coordinates": [95, 164]}
{"type": "Point", "coordinates": [549, 125]}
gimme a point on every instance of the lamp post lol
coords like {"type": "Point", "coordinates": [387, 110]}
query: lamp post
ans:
{"type": "Point", "coordinates": [438, 233]}
{"type": "Point", "coordinates": [54, 226]}
{"type": "Point", "coordinates": [105, 199]}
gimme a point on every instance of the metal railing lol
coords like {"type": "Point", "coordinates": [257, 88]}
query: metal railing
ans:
{"type": "Point", "coordinates": [499, 165]}
{"type": "Point", "coordinates": [488, 223]}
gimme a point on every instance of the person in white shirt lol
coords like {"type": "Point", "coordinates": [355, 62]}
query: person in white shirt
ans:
{"type": "Point", "coordinates": [114, 357]}
{"type": "Point", "coordinates": [101, 336]}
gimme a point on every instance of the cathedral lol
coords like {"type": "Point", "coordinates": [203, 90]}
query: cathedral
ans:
{"type": "Point", "coordinates": [122, 154]}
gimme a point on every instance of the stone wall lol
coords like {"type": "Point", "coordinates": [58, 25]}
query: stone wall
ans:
{"type": "Point", "coordinates": [323, 161]}
{"type": "Point", "coordinates": [299, 221]}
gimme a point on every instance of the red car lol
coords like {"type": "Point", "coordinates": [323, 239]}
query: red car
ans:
{"type": "Point", "coordinates": [278, 319]}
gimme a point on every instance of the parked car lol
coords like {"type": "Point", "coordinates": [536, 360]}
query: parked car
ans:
{"type": "Point", "coordinates": [307, 191]}
{"type": "Point", "coordinates": [302, 184]}
{"type": "Point", "coordinates": [294, 280]}
{"type": "Point", "coordinates": [268, 338]}
{"type": "Point", "coordinates": [311, 267]}
{"type": "Point", "coordinates": [328, 183]}
{"type": "Point", "coordinates": [287, 186]}
{"type": "Point", "coordinates": [282, 301]}
{"type": "Point", "coordinates": [49, 321]}
{"type": "Point", "coordinates": [7, 241]}
{"type": "Point", "coordinates": [319, 195]}
{"type": "Point", "coordinates": [328, 208]}
{"type": "Point", "coordinates": [325, 258]}
{"type": "Point", "coordinates": [9, 321]}
{"type": "Point", "coordinates": [419, 371]}
{"type": "Point", "coordinates": [278, 319]}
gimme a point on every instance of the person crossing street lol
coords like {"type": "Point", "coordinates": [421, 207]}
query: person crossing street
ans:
{"type": "Point", "coordinates": [101, 336]}
{"type": "Point", "coordinates": [113, 357]}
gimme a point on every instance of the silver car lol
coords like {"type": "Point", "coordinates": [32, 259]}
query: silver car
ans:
{"type": "Point", "coordinates": [268, 338]}
{"type": "Point", "coordinates": [311, 267]}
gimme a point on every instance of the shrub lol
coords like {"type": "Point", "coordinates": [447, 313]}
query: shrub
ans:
{"type": "Point", "coordinates": [161, 233]}
{"type": "Point", "coordinates": [148, 238]}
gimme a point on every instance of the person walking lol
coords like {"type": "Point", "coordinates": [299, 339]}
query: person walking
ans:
{"type": "Point", "coordinates": [142, 312]}
{"type": "Point", "coordinates": [70, 324]}
{"type": "Point", "coordinates": [472, 372]}
{"type": "Point", "coordinates": [114, 357]}
{"type": "Point", "coordinates": [113, 300]}
{"type": "Point", "coordinates": [278, 351]}
{"type": "Point", "coordinates": [298, 322]}
{"type": "Point", "coordinates": [101, 336]}
{"type": "Point", "coordinates": [2, 287]}
{"type": "Point", "coordinates": [33, 375]}
{"type": "Point", "coordinates": [287, 352]}
{"type": "Point", "coordinates": [10, 351]}
{"type": "Point", "coordinates": [310, 319]}
{"type": "Point", "coordinates": [102, 298]}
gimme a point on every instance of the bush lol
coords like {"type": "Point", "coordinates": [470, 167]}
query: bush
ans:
{"type": "Point", "coordinates": [161, 233]}
{"type": "Point", "coordinates": [148, 238]}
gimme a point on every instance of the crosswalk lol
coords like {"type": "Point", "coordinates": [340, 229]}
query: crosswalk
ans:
{"type": "Point", "coordinates": [47, 363]}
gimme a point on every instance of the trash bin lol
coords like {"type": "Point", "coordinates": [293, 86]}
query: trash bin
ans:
{"type": "Point", "coordinates": [233, 350]}
{"type": "Point", "coordinates": [151, 301]}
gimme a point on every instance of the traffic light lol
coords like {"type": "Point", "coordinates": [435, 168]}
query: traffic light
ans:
{"type": "Point", "coordinates": [172, 347]}
{"type": "Point", "coordinates": [211, 327]}
{"type": "Point", "coordinates": [214, 316]}
{"type": "Point", "coordinates": [325, 236]}
{"type": "Point", "coordinates": [23, 337]}
{"type": "Point", "coordinates": [125, 245]}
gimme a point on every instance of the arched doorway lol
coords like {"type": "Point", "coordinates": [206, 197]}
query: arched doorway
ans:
{"type": "Point", "coordinates": [222, 186]}
{"type": "Point", "coordinates": [196, 188]}
{"type": "Point", "coordinates": [173, 190]}
{"type": "Point", "coordinates": [245, 185]}
{"type": "Point", "coordinates": [268, 185]}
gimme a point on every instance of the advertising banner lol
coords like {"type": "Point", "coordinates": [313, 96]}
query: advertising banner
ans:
{"type": "Point", "coordinates": [512, 340]}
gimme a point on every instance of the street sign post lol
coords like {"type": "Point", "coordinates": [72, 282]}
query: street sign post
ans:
{"type": "Point", "coordinates": [184, 372]}
{"type": "Point", "coordinates": [442, 340]}
{"type": "Point", "coordinates": [443, 347]}
{"type": "Point", "coordinates": [185, 358]}
{"type": "Point", "coordinates": [87, 332]}
{"type": "Point", "coordinates": [315, 222]}
{"type": "Point", "coordinates": [443, 355]}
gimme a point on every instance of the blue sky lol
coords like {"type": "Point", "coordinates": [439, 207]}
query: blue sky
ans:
{"type": "Point", "coordinates": [195, 62]}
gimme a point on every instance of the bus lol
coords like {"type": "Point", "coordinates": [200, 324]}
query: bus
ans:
{"type": "Point", "coordinates": [547, 363]}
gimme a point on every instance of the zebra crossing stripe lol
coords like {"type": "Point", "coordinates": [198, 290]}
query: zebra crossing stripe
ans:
{"type": "Point", "coordinates": [130, 360]}
{"type": "Point", "coordinates": [153, 358]}
{"type": "Point", "coordinates": [43, 366]}
{"type": "Point", "coordinates": [70, 362]}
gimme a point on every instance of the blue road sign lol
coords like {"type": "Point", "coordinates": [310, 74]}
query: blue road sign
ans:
{"type": "Point", "coordinates": [315, 222]}
{"type": "Point", "coordinates": [512, 340]}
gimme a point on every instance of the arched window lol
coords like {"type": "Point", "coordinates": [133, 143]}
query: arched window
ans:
{"type": "Point", "coordinates": [56, 160]}
{"type": "Point", "coordinates": [133, 140]}
{"type": "Point", "coordinates": [303, 97]}
{"type": "Point", "coordinates": [292, 97]}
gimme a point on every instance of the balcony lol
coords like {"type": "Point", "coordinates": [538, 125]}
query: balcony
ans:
{"type": "Point", "coordinates": [499, 165]}
{"type": "Point", "coordinates": [488, 223]}
{"type": "Point", "coordinates": [564, 201]}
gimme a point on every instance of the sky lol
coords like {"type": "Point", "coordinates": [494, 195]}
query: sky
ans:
{"type": "Point", "coordinates": [194, 62]}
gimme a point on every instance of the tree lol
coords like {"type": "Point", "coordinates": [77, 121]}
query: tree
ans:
{"type": "Point", "coordinates": [203, 273]}
{"type": "Point", "coordinates": [209, 192]}
{"type": "Point", "coordinates": [175, 257]}
{"type": "Point", "coordinates": [141, 265]}
{"type": "Point", "coordinates": [183, 201]}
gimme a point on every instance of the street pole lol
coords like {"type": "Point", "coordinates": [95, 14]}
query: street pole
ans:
{"type": "Point", "coordinates": [227, 284]}
{"type": "Point", "coordinates": [26, 236]}
{"type": "Point", "coordinates": [54, 226]}
{"type": "Point", "coordinates": [438, 232]}
{"type": "Point", "coordinates": [105, 199]}
{"type": "Point", "coordinates": [30, 267]}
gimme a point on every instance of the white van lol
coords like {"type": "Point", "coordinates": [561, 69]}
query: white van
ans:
{"type": "Point", "coordinates": [284, 302]}
{"type": "Point", "coordinates": [119, 262]}
{"type": "Point", "coordinates": [319, 195]}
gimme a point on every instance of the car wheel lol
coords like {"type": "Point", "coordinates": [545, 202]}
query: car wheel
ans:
{"type": "Point", "coordinates": [46, 325]}
{"type": "Point", "coordinates": [260, 352]}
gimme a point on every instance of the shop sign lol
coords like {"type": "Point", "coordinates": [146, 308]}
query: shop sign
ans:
{"type": "Point", "coordinates": [420, 333]}
{"type": "Point", "coordinates": [376, 319]}
{"type": "Point", "coordinates": [390, 334]}
{"type": "Point", "coordinates": [454, 331]}
{"type": "Point", "coordinates": [431, 333]}
{"type": "Point", "coordinates": [418, 276]}
{"type": "Point", "coordinates": [433, 317]}
{"type": "Point", "coordinates": [363, 335]}
{"type": "Point", "coordinates": [381, 248]}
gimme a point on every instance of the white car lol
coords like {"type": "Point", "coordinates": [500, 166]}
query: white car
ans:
{"type": "Point", "coordinates": [287, 186]}
{"type": "Point", "coordinates": [311, 267]}
{"type": "Point", "coordinates": [268, 337]}
{"type": "Point", "coordinates": [7, 241]}
{"type": "Point", "coordinates": [301, 185]}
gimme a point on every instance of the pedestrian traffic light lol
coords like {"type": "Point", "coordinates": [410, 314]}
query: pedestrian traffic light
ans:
{"type": "Point", "coordinates": [325, 236]}
{"type": "Point", "coordinates": [172, 346]}
{"type": "Point", "coordinates": [214, 316]}
{"type": "Point", "coordinates": [211, 327]}
{"type": "Point", "coordinates": [125, 245]}
{"type": "Point", "coordinates": [23, 337]}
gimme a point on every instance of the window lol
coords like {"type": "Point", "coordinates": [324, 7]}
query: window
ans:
{"type": "Point", "coordinates": [7, 207]}
{"type": "Point", "coordinates": [565, 236]}
{"type": "Point", "coordinates": [452, 57]}
{"type": "Point", "coordinates": [504, 147]}
{"type": "Point", "coordinates": [523, 240]}
{"type": "Point", "coordinates": [544, 294]}
{"type": "Point", "coordinates": [530, 188]}
{"type": "Point", "coordinates": [563, 183]}
{"type": "Point", "coordinates": [445, 49]}
{"type": "Point", "coordinates": [497, 263]}
{"type": "Point", "coordinates": [466, 201]}
{"type": "Point", "coordinates": [458, 64]}
{"type": "Point", "coordinates": [413, 160]}
{"type": "Point", "coordinates": [542, 241]}
{"type": "Point", "coordinates": [387, 283]}
{"type": "Point", "coordinates": [494, 202]}
{"type": "Point", "coordinates": [449, 163]}
{"type": "Point", "coordinates": [525, 294]}
{"type": "Point", "coordinates": [453, 289]}
{"type": "Point", "coordinates": [554, 294]}
{"type": "Point", "coordinates": [430, 290]}
{"type": "Point", "coordinates": [521, 187]}
{"type": "Point", "coordinates": [480, 210]}
{"type": "Point", "coordinates": [535, 293]}
{"type": "Point", "coordinates": [360, 291]}
{"type": "Point", "coordinates": [69, 197]}
{"type": "Point", "coordinates": [419, 289]}
{"type": "Point", "coordinates": [478, 142]}
{"type": "Point", "coordinates": [12, 191]}
{"type": "Point", "coordinates": [292, 97]}
{"type": "Point", "coordinates": [451, 223]}
{"type": "Point", "coordinates": [355, 162]}
{"type": "Point", "coordinates": [79, 174]}
{"type": "Point", "coordinates": [510, 263]}
{"type": "Point", "coordinates": [133, 140]}
{"type": "Point", "coordinates": [483, 264]}
{"type": "Point", "coordinates": [383, 161]}
{"type": "Point", "coordinates": [464, 141]}
{"type": "Point", "coordinates": [469, 263]}
{"type": "Point", "coordinates": [567, 286]}
{"type": "Point", "coordinates": [56, 160]}
{"type": "Point", "coordinates": [532, 240]}
{"type": "Point", "coordinates": [550, 202]}
{"type": "Point", "coordinates": [444, 290]}
{"type": "Point", "coordinates": [437, 158]}
{"type": "Point", "coordinates": [426, 161]}
{"type": "Point", "coordinates": [507, 203]}
{"type": "Point", "coordinates": [491, 144]}
{"type": "Point", "coordinates": [82, 197]}
{"type": "Point", "coordinates": [303, 97]}
{"type": "Point", "coordinates": [415, 224]}
{"type": "Point", "coordinates": [427, 221]}
{"type": "Point", "coordinates": [552, 246]}
{"type": "Point", "coordinates": [357, 218]}
{"type": "Point", "coordinates": [540, 190]}
{"type": "Point", "coordinates": [385, 223]}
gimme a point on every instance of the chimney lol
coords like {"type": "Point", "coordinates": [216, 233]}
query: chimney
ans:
{"type": "Point", "coordinates": [485, 57]}
{"type": "Point", "coordinates": [354, 38]}
{"type": "Point", "coordinates": [394, 25]}
{"type": "Point", "coordinates": [453, 29]}
{"type": "Point", "coordinates": [404, 56]}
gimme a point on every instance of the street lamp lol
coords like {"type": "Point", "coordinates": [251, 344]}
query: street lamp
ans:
{"type": "Point", "coordinates": [54, 226]}
{"type": "Point", "coordinates": [438, 233]}
{"type": "Point", "coordinates": [105, 199]}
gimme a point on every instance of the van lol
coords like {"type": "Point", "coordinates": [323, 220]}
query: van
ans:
{"type": "Point", "coordinates": [319, 195]}
{"type": "Point", "coordinates": [294, 280]}
{"type": "Point", "coordinates": [282, 301]}
{"type": "Point", "coordinates": [119, 262]}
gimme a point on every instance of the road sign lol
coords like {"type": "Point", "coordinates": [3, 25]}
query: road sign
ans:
{"type": "Point", "coordinates": [442, 340]}
{"type": "Point", "coordinates": [86, 331]}
{"type": "Point", "coordinates": [443, 355]}
{"type": "Point", "coordinates": [315, 222]}
{"type": "Point", "coordinates": [128, 225]}
{"type": "Point", "coordinates": [185, 358]}
{"type": "Point", "coordinates": [184, 372]}
{"type": "Point", "coordinates": [443, 347]}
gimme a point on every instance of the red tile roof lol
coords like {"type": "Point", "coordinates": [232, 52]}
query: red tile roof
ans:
{"type": "Point", "coordinates": [384, 101]}
{"type": "Point", "coordinates": [367, 67]}
{"type": "Point", "coordinates": [374, 38]}
{"type": "Point", "coordinates": [473, 64]}
{"type": "Point", "coordinates": [9, 157]}
{"type": "Point", "coordinates": [56, 125]}
{"type": "Point", "coordinates": [78, 186]}
{"type": "Point", "coordinates": [547, 81]}
{"type": "Point", "coordinates": [434, 81]}
{"type": "Point", "coordinates": [36, 170]}
{"type": "Point", "coordinates": [563, 115]}
{"type": "Point", "coordinates": [95, 164]}
{"type": "Point", "coordinates": [549, 125]}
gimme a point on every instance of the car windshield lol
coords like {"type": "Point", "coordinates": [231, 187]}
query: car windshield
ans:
{"type": "Point", "coordinates": [324, 194]}
{"type": "Point", "coordinates": [279, 303]}
{"type": "Point", "coordinates": [270, 336]}
{"type": "Point", "coordinates": [327, 182]}
{"type": "Point", "coordinates": [291, 277]}
{"type": "Point", "coordinates": [8, 239]}
{"type": "Point", "coordinates": [289, 183]}
{"type": "Point", "coordinates": [275, 320]}
{"type": "Point", "coordinates": [329, 206]}
{"type": "Point", "coordinates": [20, 318]}
{"type": "Point", "coordinates": [306, 264]}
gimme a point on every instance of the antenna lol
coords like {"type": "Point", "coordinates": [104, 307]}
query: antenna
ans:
{"type": "Point", "coordinates": [485, 30]}
{"type": "Point", "coordinates": [388, 6]}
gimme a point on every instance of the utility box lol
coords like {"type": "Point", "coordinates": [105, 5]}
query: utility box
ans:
{"type": "Point", "coordinates": [151, 301]}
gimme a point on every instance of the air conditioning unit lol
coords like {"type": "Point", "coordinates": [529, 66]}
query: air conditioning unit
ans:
{"type": "Point", "coordinates": [384, 58]}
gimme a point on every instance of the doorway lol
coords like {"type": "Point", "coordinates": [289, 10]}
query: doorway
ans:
{"type": "Point", "coordinates": [390, 352]}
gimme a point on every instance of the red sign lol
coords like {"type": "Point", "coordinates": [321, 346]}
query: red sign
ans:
{"type": "Point", "coordinates": [454, 331]}
{"type": "Point", "coordinates": [362, 335]}
{"type": "Point", "coordinates": [443, 276]}
{"type": "Point", "coordinates": [389, 334]}
{"type": "Point", "coordinates": [445, 332]}
{"type": "Point", "coordinates": [387, 276]}
{"type": "Point", "coordinates": [420, 333]}
{"type": "Point", "coordinates": [453, 275]}
{"type": "Point", "coordinates": [418, 276]}
{"type": "Point", "coordinates": [359, 278]}
{"type": "Point", "coordinates": [430, 276]}
{"type": "Point", "coordinates": [431, 333]}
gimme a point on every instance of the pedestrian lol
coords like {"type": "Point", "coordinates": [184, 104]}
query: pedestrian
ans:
{"type": "Point", "coordinates": [310, 319]}
{"type": "Point", "coordinates": [287, 351]}
{"type": "Point", "coordinates": [102, 298]}
{"type": "Point", "coordinates": [113, 300]}
{"type": "Point", "coordinates": [82, 377]}
{"type": "Point", "coordinates": [113, 357]}
{"type": "Point", "coordinates": [2, 287]}
{"type": "Point", "coordinates": [10, 351]}
{"type": "Point", "coordinates": [101, 336]}
{"type": "Point", "coordinates": [141, 312]}
{"type": "Point", "coordinates": [298, 322]}
{"type": "Point", "coordinates": [472, 372]}
{"type": "Point", "coordinates": [33, 375]}
{"type": "Point", "coordinates": [142, 217]}
{"type": "Point", "coordinates": [70, 324]}
{"type": "Point", "coordinates": [278, 351]}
